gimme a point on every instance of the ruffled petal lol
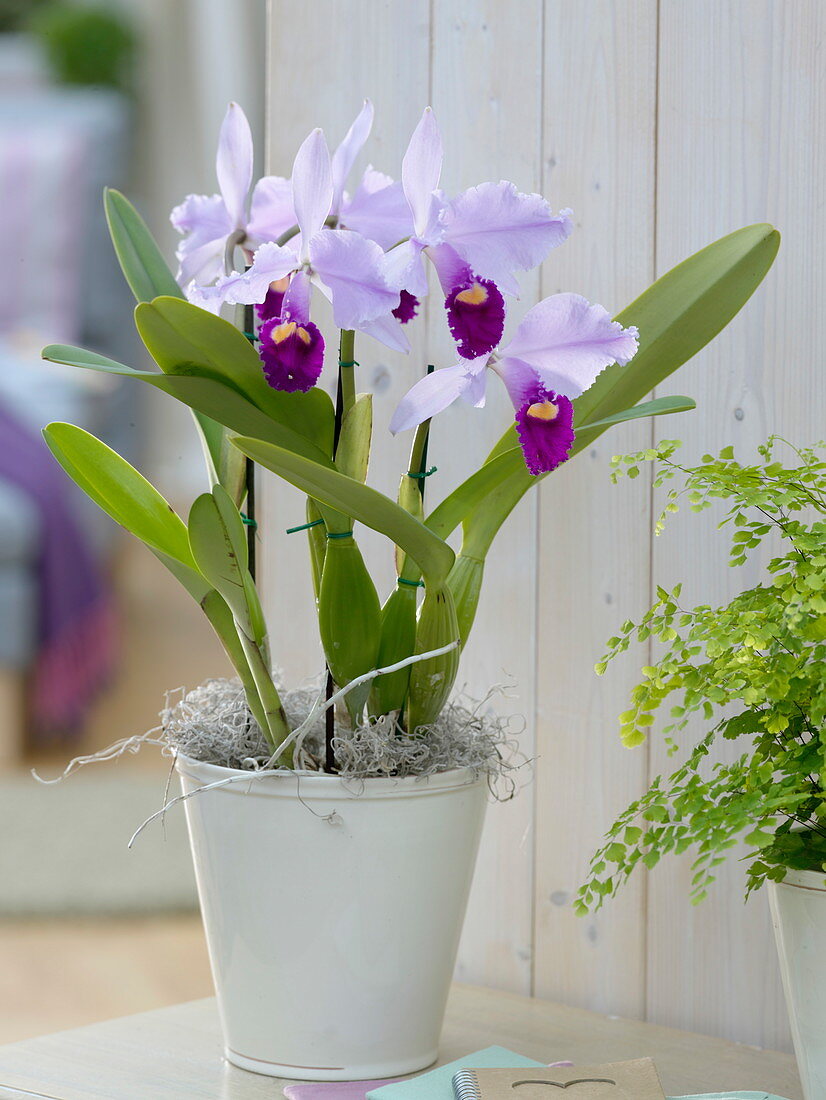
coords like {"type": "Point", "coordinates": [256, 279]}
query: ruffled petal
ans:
{"type": "Point", "coordinates": [476, 317]}
{"type": "Point", "coordinates": [354, 269]}
{"type": "Point", "coordinates": [271, 209]}
{"type": "Point", "coordinates": [348, 150]}
{"type": "Point", "coordinates": [435, 392]}
{"type": "Point", "coordinates": [569, 341]}
{"type": "Point", "coordinates": [202, 218]}
{"type": "Point", "coordinates": [312, 183]}
{"type": "Point", "coordinates": [292, 354]}
{"type": "Point", "coordinates": [499, 230]}
{"type": "Point", "coordinates": [201, 264]}
{"type": "Point", "coordinates": [234, 163]}
{"type": "Point", "coordinates": [421, 169]}
{"type": "Point", "coordinates": [270, 263]}
{"type": "Point", "coordinates": [378, 210]}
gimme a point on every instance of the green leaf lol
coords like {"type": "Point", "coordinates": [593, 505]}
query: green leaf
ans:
{"type": "Point", "coordinates": [447, 516]}
{"type": "Point", "coordinates": [118, 488]}
{"type": "Point", "coordinates": [219, 547]}
{"type": "Point", "coordinates": [141, 261]}
{"type": "Point", "coordinates": [205, 395]}
{"type": "Point", "coordinates": [353, 450]}
{"type": "Point", "coordinates": [186, 340]}
{"type": "Point", "coordinates": [680, 313]}
{"type": "Point", "coordinates": [433, 556]}
{"type": "Point", "coordinates": [661, 406]}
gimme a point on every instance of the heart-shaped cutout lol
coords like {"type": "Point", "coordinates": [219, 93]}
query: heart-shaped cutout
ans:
{"type": "Point", "coordinates": [567, 1084]}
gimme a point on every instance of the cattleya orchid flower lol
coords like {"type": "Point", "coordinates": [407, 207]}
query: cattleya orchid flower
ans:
{"type": "Point", "coordinates": [349, 269]}
{"type": "Point", "coordinates": [208, 221]}
{"type": "Point", "coordinates": [476, 241]}
{"type": "Point", "coordinates": [556, 353]}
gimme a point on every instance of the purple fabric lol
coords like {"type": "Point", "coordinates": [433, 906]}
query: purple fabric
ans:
{"type": "Point", "coordinates": [75, 630]}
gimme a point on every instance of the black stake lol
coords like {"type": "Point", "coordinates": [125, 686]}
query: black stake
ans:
{"type": "Point", "coordinates": [329, 714]}
{"type": "Point", "coordinates": [249, 476]}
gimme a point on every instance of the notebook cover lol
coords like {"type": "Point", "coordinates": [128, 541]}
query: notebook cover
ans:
{"type": "Point", "coordinates": [437, 1084]}
{"type": "Point", "coordinates": [632, 1080]}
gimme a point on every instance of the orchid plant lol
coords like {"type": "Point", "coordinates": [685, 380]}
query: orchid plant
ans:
{"type": "Point", "coordinates": [570, 369]}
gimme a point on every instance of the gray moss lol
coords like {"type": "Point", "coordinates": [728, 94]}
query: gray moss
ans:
{"type": "Point", "coordinates": [212, 723]}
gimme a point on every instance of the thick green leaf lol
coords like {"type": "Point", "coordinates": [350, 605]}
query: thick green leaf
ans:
{"type": "Point", "coordinates": [446, 517]}
{"type": "Point", "coordinates": [433, 556]}
{"type": "Point", "coordinates": [205, 395]}
{"type": "Point", "coordinates": [141, 260]}
{"type": "Point", "coordinates": [119, 490]}
{"type": "Point", "coordinates": [353, 450]}
{"type": "Point", "coordinates": [219, 546]}
{"type": "Point", "coordinates": [186, 340]}
{"type": "Point", "coordinates": [681, 313]}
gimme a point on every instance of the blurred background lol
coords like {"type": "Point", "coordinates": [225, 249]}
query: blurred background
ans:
{"type": "Point", "coordinates": [130, 94]}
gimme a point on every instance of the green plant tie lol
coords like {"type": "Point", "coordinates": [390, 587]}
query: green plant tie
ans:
{"type": "Point", "coordinates": [304, 526]}
{"type": "Point", "coordinates": [349, 363]}
{"type": "Point", "coordinates": [412, 584]}
{"type": "Point", "coordinates": [251, 336]}
{"type": "Point", "coordinates": [420, 474]}
{"type": "Point", "coordinates": [248, 521]}
{"type": "Point", "coordinates": [339, 534]}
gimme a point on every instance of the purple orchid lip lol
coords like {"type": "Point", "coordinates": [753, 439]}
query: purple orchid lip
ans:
{"type": "Point", "coordinates": [407, 308]}
{"type": "Point", "coordinates": [292, 354]}
{"type": "Point", "coordinates": [273, 304]}
{"type": "Point", "coordinates": [544, 424]}
{"type": "Point", "coordinates": [476, 316]}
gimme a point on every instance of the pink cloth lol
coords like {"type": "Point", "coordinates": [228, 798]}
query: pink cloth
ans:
{"type": "Point", "coordinates": [335, 1090]}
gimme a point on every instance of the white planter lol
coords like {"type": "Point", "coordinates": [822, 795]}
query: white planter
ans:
{"type": "Point", "coordinates": [333, 938]}
{"type": "Point", "coordinates": [798, 907]}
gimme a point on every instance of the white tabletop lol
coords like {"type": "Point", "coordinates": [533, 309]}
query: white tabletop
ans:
{"type": "Point", "coordinates": [175, 1053]}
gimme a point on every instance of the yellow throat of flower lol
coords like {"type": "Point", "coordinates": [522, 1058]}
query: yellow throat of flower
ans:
{"type": "Point", "coordinates": [475, 295]}
{"type": "Point", "coordinates": [543, 410]}
{"type": "Point", "coordinates": [283, 332]}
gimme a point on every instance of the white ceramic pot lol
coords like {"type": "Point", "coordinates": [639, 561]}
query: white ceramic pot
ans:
{"type": "Point", "coordinates": [798, 906]}
{"type": "Point", "coordinates": [333, 912]}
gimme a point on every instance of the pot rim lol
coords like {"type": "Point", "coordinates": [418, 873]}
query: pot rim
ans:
{"type": "Point", "coordinates": [804, 880]}
{"type": "Point", "coordinates": [310, 786]}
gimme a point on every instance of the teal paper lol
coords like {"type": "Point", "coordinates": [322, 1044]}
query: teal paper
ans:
{"type": "Point", "coordinates": [438, 1083]}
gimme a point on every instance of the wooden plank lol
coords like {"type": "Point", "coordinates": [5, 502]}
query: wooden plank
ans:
{"type": "Point", "coordinates": [347, 51]}
{"type": "Point", "coordinates": [176, 1052]}
{"type": "Point", "coordinates": [489, 109]}
{"type": "Point", "coordinates": [742, 102]}
{"type": "Point", "coordinates": [600, 90]}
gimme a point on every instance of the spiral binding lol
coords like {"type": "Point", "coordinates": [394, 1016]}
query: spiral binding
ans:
{"type": "Point", "coordinates": [466, 1085]}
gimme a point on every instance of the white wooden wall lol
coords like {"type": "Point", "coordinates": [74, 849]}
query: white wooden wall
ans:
{"type": "Point", "coordinates": [664, 124]}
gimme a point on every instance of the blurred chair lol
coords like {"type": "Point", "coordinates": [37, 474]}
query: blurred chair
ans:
{"type": "Point", "coordinates": [59, 282]}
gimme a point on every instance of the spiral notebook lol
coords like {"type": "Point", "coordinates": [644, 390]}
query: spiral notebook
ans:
{"type": "Point", "coordinates": [635, 1080]}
